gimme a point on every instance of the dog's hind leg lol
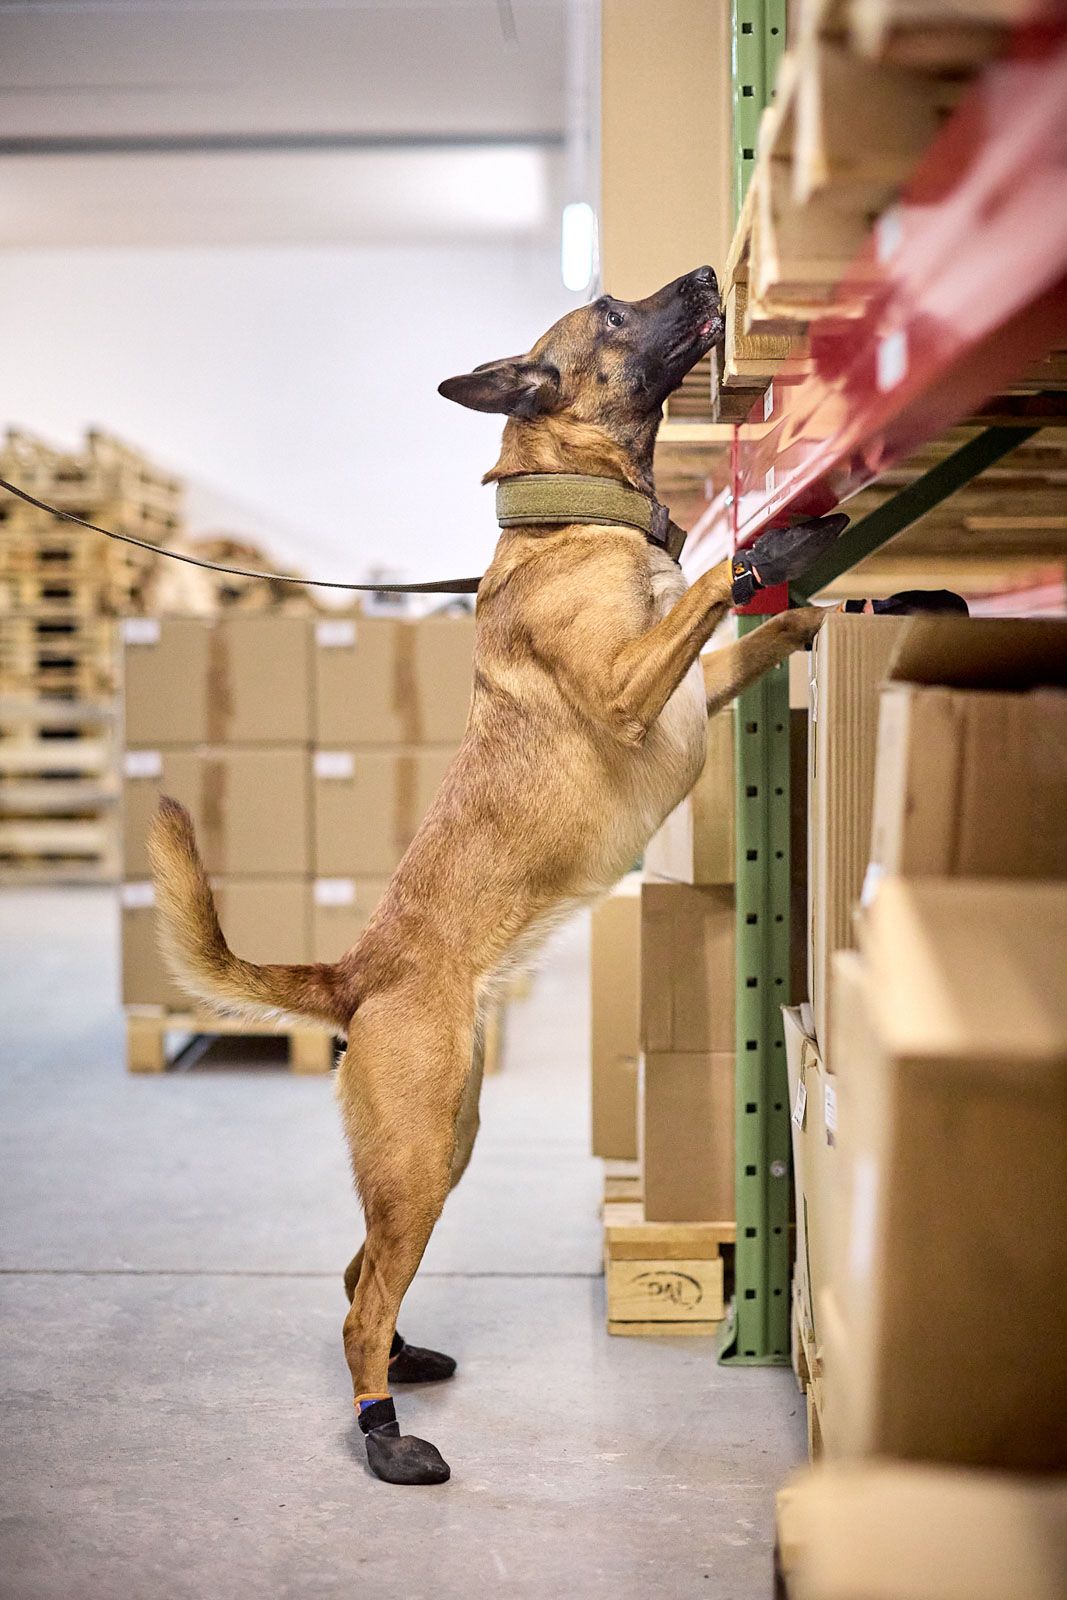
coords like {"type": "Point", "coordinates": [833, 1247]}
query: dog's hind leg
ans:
{"type": "Point", "coordinates": [409, 1363]}
{"type": "Point", "coordinates": [401, 1085]}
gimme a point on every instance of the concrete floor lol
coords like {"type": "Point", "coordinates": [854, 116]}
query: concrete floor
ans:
{"type": "Point", "coordinates": [177, 1413]}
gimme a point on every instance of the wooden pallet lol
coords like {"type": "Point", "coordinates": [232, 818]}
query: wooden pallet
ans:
{"type": "Point", "coordinates": [58, 792]}
{"type": "Point", "coordinates": [622, 1181]}
{"type": "Point", "coordinates": [663, 1278]}
{"type": "Point", "coordinates": [157, 1039]}
{"type": "Point", "coordinates": [67, 653]}
{"type": "Point", "coordinates": [807, 1367]}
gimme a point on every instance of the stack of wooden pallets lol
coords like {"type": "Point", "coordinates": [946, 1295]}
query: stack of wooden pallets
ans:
{"type": "Point", "coordinates": [61, 589]}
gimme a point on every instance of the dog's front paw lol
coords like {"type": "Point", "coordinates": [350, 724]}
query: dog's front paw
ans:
{"type": "Point", "coordinates": [803, 622]}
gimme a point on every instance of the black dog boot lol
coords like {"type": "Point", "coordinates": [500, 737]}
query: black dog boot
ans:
{"type": "Point", "coordinates": [409, 1364]}
{"type": "Point", "coordinates": [396, 1457]}
{"type": "Point", "coordinates": [781, 554]}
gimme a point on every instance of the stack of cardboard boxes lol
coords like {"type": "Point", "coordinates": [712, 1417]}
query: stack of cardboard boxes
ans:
{"type": "Point", "coordinates": [663, 1069]}
{"type": "Point", "coordinates": [929, 1117]}
{"type": "Point", "coordinates": [307, 751]}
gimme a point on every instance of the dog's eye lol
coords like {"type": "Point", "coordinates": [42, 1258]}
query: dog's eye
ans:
{"type": "Point", "coordinates": [614, 319]}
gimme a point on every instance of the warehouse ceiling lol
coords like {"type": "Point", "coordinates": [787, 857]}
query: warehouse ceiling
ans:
{"type": "Point", "coordinates": [260, 121]}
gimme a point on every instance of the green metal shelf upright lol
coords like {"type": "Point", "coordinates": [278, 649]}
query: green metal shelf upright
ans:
{"type": "Point", "coordinates": [757, 1331]}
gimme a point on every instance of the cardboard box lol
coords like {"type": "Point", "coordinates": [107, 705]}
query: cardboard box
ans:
{"type": "Point", "coordinates": [251, 806]}
{"type": "Point", "coordinates": [849, 660]}
{"type": "Point", "coordinates": [390, 681]}
{"type": "Point", "coordinates": [889, 1531]}
{"type": "Point", "coordinates": [687, 969]}
{"type": "Point", "coordinates": [816, 1166]}
{"type": "Point", "coordinates": [340, 910]}
{"type": "Point", "coordinates": [615, 988]}
{"type": "Point", "coordinates": [688, 1138]}
{"type": "Point", "coordinates": [971, 774]}
{"type": "Point", "coordinates": [242, 679]}
{"type": "Point", "coordinates": [696, 842]}
{"type": "Point", "coordinates": [368, 805]}
{"type": "Point", "coordinates": [263, 919]}
{"type": "Point", "coordinates": [951, 1270]}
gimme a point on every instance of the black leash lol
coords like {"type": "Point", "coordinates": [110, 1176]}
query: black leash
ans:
{"type": "Point", "coordinates": [441, 586]}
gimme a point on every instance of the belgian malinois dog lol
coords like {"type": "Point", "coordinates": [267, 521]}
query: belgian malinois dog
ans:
{"type": "Point", "coordinates": [587, 726]}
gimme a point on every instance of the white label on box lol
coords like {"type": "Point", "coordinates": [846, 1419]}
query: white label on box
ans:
{"type": "Point", "coordinates": [137, 896]}
{"type": "Point", "coordinates": [864, 1211]}
{"type": "Point", "coordinates": [334, 764]}
{"type": "Point", "coordinates": [892, 362]}
{"type": "Point", "coordinates": [829, 1109]}
{"type": "Point", "coordinates": [337, 634]}
{"type": "Point", "coordinates": [768, 403]}
{"type": "Point", "coordinates": [800, 1104]}
{"type": "Point", "coordinates": [334, 892]}
{"type": "Point", "coordinates": [140, 630]}
{"type": "Point", "coordinates": [143, 764]}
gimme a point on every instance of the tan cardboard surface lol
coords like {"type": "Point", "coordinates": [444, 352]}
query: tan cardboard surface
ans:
{"type": "Point", "coordinates": [890, 1531]}
{"type": "Point", "coordinates": [696, 842]}
{"type": "Point", "coordinates": [243, 679]}
{"type": "Point", "coordinates": [972, 751]}
{"type": "Point", "coordinates": [949, 1272]}
{"type": "Point", "coordinates": [982, 652]}
{"type": "Point", "coordinates": [262, 920]}
{"type": "Point", "coordinates": [849, 661]}
{"type": "Point", "coordinates": [688, 1137]}
{"type": "Point", "coordinates": [816, 1175]}
{"type": "Point", "coordinates": [251, 805]}
{"type": "Point", "coordinates": [340, 909]}
{"type": "Point", "coordinates": [368, 805]}
{"type": "Point", "coordinates": [383, 681]}
{"type": "Point", "coordinates": [687, 968]}
{"type": "Point", "coordinates": [165, 680]}
{"type": "Point", "coordinates": [259, 680]}
{"type": "Point", "coordinates": [615, 978]}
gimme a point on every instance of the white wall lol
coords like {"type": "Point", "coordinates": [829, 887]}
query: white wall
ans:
{"type": "Point", "coordinates": [301, 382]}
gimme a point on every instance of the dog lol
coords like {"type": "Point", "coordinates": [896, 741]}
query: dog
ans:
{"type": "Point", "coordinates": [587, 726]}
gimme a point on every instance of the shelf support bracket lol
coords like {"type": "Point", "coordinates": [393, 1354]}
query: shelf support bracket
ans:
{"type": "Point", "coordinates": [871, 532]}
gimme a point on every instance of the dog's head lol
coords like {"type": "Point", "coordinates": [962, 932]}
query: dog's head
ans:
{"type": "Point", "coordinates": [611, 363]}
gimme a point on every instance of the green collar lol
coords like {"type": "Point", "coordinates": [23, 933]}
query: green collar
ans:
{"type": "Point", "coordinates": [562, 497]}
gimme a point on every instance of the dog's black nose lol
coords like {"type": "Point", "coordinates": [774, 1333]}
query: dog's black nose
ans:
{"type": "Point", "coordinates": [704, 278]}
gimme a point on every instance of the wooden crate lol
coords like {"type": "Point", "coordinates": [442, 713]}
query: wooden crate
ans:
{"type": "Point", "coordinates": [663, 1277]}
{"type": "Point", "coordinates": [157, 1039]}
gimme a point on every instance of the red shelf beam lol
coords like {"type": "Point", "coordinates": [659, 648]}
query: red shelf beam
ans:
{"type": "Point", "coordinates": [964, 282]}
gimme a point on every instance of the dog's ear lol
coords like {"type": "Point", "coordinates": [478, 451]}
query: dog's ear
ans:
{"type": "Point", "coordinates": [514, 388]}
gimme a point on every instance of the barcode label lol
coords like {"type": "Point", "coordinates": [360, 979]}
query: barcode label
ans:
{"type": "Point", "coordinates": [140, 630]}
{"type": "Point", "coordinates": [143, 764]}
{"type": "Point", "coordinates": [136, 896]}
{"type": "Point", "coordinates": [337, 634]}
{"type": "Point", "coordinates": [334, 764]}
{"type": "Point", "coordinates": [334, 892]}
{"type": "Point", "coordinates": [800, 1104]}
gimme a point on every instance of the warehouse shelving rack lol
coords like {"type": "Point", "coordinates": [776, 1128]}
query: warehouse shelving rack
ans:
{"type": "Point", "coordinates": [963, 283]}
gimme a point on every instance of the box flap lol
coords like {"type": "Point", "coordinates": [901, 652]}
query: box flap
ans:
{"type": "Point", "coordinates": [982, 652]}
{"type": "Point", "coordinates": [968, 971]}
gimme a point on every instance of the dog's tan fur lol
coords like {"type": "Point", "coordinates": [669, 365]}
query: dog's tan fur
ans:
{"type": "Point", "coordinates": [586, 727]}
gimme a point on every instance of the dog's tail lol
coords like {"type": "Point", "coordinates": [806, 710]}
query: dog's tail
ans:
{"type": "Point", "coordinates": [198, 955]}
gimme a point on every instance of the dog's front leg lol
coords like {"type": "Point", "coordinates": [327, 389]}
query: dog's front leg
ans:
{"type": "Point", "coordinates": [728, 671]}
{"type": "Point", "coordinates": [650, 667]}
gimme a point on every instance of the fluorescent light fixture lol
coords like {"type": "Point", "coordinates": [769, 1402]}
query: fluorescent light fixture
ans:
{"type": "Point", "coordinates": [577, 245]}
